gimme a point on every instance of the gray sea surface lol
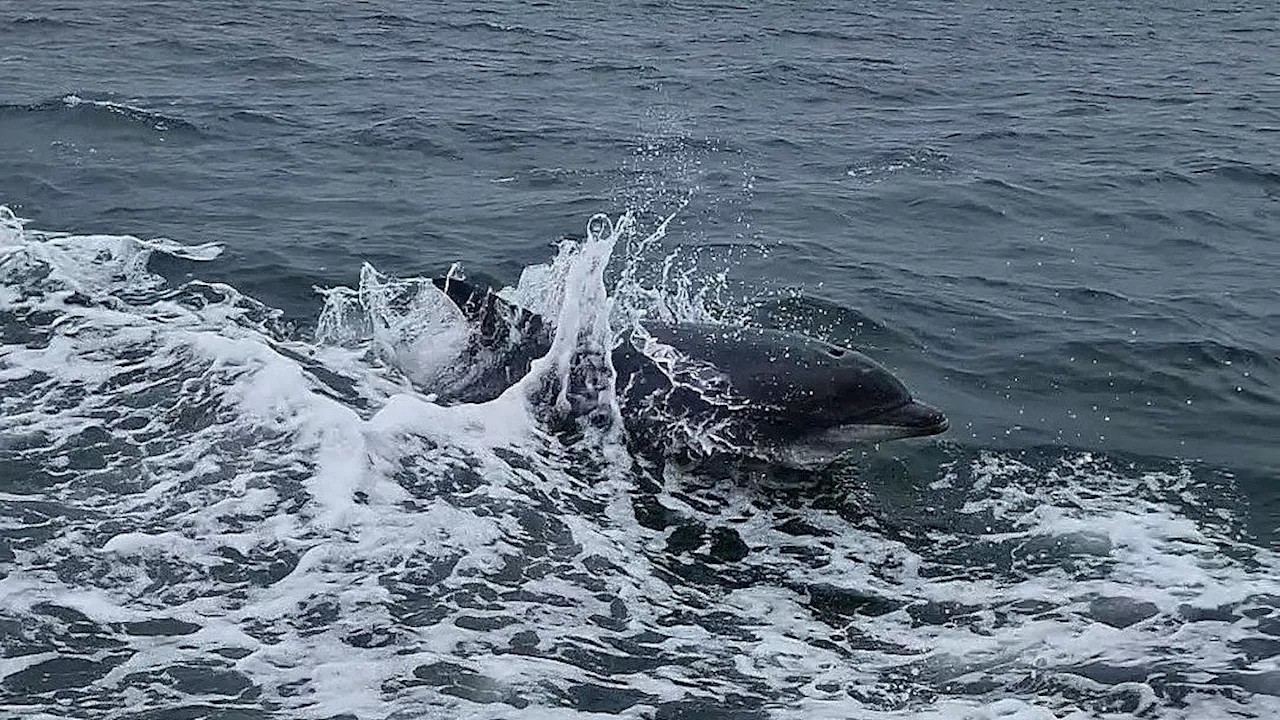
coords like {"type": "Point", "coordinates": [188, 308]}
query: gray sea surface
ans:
{"type": "Point", "coordinates": [225, 491]}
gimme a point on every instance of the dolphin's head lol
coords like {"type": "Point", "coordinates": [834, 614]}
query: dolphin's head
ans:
{"type": "Point", "coordinates": [807, 401]}
{"type": "Point", "coordinates": [851, 400]}
{"type": "Point", "coordinates": [819, 446]}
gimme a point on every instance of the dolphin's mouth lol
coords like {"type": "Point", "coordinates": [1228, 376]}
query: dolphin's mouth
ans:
{"type": "Point", "coordinates": [816, 450]}
{"type": "Point", "coordinates": [915, 418]}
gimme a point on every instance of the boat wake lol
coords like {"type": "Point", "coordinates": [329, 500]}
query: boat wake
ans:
{"type": "Point", "coordinates": [204, 513]}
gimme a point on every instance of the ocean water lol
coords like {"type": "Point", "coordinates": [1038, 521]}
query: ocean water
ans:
{"type": "Point", "coordinates": [229, 488]}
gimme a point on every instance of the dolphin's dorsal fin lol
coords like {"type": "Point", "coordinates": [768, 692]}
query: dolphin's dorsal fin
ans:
{"type": "Point", "coordinates": [495, 318]}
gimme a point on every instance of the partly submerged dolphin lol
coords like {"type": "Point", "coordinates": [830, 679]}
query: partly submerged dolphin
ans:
{"type": "Point", "coordinates": [705, 388]}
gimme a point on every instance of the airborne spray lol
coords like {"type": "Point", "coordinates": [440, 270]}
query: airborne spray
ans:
{"type": "Point", "coordinates": [574, 382]}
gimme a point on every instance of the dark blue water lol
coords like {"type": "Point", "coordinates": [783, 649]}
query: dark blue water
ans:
{"type": "Point", "coordinates": [1058, 224]}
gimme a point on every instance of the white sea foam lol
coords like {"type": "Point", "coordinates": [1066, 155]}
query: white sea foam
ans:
{"type": "Point", "coordinates": [204, 510]}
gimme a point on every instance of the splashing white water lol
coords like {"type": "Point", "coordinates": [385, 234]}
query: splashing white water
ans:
{"type": "Point", "coordinates": [203, 514]}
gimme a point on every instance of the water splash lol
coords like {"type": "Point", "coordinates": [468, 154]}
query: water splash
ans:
{"type": "Point", "coordinates": [408, 326]}
{"type": "Point", "coordinates": [202, 515]}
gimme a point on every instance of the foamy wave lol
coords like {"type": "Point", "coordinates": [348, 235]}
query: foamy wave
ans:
{"type": "Point", "coordinates": [203, 511]}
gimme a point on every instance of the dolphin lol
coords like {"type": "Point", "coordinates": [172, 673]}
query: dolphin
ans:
{"type": "Point", "coordinates": [702, 389]}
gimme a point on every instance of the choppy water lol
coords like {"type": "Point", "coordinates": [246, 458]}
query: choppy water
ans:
{"type": "Point", "coordinates": [223, 494]}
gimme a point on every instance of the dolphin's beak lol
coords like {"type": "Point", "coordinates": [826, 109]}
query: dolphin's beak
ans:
{"type": "Point", "coordinates": [818, 449]}
{"type": "Point", "coordinates": [917, 417]}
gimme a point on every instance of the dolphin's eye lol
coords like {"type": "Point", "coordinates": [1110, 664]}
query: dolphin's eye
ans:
{"type": "Point", "coordinates": [834, 351]}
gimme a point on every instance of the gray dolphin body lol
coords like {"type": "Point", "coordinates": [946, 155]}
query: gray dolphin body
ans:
{"type": "Point", "coordinates": [768, 394]}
